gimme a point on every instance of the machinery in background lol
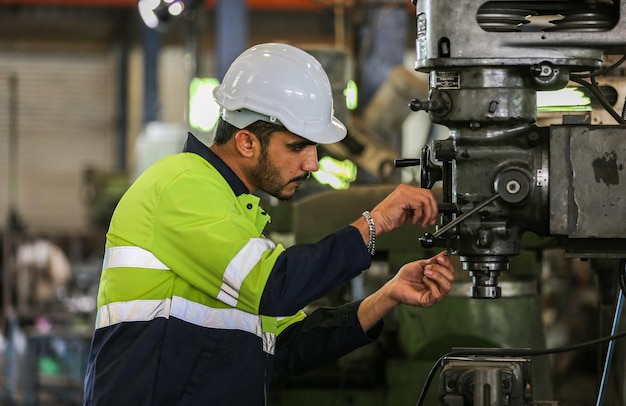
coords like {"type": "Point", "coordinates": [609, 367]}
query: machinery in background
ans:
{"type": "Point", "coordinates": [374, 135]}
{"type": "Point", "coordinates": [503, 175]}
{"type": "Point", "coordinates": [44, 348]}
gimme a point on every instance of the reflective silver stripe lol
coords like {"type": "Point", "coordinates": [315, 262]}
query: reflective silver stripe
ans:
{"type": "Point", "coordinates": [191, 312]}
{"type": "Point", "coordinates": [132, 257]}
{"type": "Point", "coordinates": [136, 310]}
{"type": "Point", "coordinates": [240, 266]}
{"type": "Point", "coordinates": [269, 343]}
{"type": "Point", "coordinates": [229, 319]}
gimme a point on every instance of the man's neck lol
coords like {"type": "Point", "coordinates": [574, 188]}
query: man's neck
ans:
{"type": "Point", "coordinates": [234, 161]}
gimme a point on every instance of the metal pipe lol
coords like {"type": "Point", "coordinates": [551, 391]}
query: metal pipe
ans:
{"type": "Point", "coordinates": [10, 240]}
{"type": "Point", "coordinates": [151, 48]}
{"type": "Point", "coordinates": [122, 95]}
{"type": "Point", "coordinates": [11, 216]}
{"type": "Point", "coordinates": [231, 33]}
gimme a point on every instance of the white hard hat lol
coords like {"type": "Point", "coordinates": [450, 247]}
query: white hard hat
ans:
{"type": "Point", "coordinates": [280, 84]}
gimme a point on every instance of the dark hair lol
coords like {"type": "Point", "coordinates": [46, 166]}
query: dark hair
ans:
{"type": "Point", "coordinates": [262, 129]}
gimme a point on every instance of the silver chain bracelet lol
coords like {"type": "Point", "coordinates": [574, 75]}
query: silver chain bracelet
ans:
{"type": "Point", "coordinates": [371, 245]}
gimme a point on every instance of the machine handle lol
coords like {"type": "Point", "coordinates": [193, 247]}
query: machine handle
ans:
{"type": "Point", "coordinates": [405, 162]}
{"type": "Point", "coordinates": [429, 172]}
{"type": "Point", "coordinates": [428, 240]}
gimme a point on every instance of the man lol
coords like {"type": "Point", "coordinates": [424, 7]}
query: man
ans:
{"type": "Point", "coordinates": [196, 306]}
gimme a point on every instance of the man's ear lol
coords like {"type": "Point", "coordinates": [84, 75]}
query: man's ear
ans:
{"type": "Point", "coordinates": [247, 143]}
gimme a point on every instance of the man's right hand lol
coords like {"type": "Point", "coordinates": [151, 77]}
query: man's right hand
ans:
{"type": "Point", "coordinates": [405, 203]}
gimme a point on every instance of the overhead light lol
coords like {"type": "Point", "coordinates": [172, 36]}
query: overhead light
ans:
{"type": "Point", "coordinates": [203, 111]}
{"type": "Point", "coordinates": [335, 173]}
{"type": "Point", "coordinates": [155, 12]}
{"type": "Point", "coordinates": [351, 92]}
{"type": "Point", "coordinates": [151, 12]}
{"type": "Point", "coordinates": [176, 8]}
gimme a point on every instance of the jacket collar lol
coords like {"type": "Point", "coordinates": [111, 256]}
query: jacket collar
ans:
{"type": "Point", "coordinates": [195, 146]}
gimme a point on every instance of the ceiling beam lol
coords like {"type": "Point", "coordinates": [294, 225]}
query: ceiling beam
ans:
{"type": "Point", "coordinates": [278, 5]}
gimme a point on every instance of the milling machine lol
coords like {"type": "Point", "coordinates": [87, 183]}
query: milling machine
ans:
{"type": "Point", "coordinates": [503, 175]}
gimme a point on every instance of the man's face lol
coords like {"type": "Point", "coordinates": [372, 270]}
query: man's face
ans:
{"type": "Point", "coordinates": [284, 164]}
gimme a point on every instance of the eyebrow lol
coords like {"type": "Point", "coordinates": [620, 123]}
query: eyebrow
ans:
{"type": "Point", "coordinates": [300, 143]}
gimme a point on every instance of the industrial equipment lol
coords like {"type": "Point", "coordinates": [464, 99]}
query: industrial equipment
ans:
{"type": "Point", "coordinates": [504, 175]}
{"type": "Point", "coordinates": [392, 371]}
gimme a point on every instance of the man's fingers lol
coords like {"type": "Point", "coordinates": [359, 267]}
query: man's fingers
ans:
{"type": "Point", "coordinates": [440, 274]}
{"type": "Point", "coordinates": [433, 294]}
{"type": "Point", "coordinates": [430, 209]}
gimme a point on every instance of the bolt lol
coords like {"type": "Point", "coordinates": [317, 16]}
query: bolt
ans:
{"type": "Point", "coordinates": [513, 187]}
{"type": "Point", "coordinates": [536, 69]}
{"type": "Point", "coordinates": [493, 106]}
{"type": "Point", "coordinates": [533, 138]}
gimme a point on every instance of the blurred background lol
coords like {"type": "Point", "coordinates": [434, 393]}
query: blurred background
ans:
{"type": "Point", "coordinates": [93, 91]}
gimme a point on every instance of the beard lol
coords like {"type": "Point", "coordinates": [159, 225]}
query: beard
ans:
{"type": "Point", "coordinates": [266, 176]}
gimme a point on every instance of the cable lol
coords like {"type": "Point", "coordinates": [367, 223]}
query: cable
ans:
{"type": "Point", "coordinates": [622, 276]}
{"type": "Point", "coordinates": [511, 352]}
{"type": "Point", "coordinates": [611, 348]}
{"type": "Point", "coordinates": [602, 71]}
{"type": "Point", "coordinates": [593, 88]}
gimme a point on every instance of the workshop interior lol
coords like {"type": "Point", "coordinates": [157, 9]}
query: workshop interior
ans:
{"type": "Point", "coordinates": [512, 112]}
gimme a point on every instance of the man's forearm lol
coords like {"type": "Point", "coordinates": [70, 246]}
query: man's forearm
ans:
{"type": "Point", "coordinates": [374, 307]}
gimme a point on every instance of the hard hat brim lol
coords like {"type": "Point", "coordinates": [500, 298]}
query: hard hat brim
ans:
{"type": "Point", "coordinates": [334, 132]}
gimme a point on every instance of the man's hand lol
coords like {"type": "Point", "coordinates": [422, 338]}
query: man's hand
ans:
{"type": "Point", "coordinates": [424, 282]}
{"type": "Point", "coordinates": [405, 203]}
{"type": "Point", "coordinates": [420, 283]}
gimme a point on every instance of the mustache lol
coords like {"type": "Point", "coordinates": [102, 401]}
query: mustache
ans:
{"type": "Point", "coordinates": [303, 177]}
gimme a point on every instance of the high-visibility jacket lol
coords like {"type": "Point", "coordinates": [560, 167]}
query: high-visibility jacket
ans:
{"type": "Point", "coordinates": [196, 306]}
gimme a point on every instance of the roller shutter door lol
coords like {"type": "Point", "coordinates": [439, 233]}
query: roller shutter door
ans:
{"type": "Point", "coordinates": [64, 123]}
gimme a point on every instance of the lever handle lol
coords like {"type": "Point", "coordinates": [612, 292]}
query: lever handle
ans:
{"type": "Point", "coordinates": [428, 240]}
{"type": "Point", "coordinates": [429, 172]}
{"type": "Point", "coordinates": [404, 162]}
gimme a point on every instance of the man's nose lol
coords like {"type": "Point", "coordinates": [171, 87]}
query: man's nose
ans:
{"type": "Point", "coordinates": [311, 163]}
